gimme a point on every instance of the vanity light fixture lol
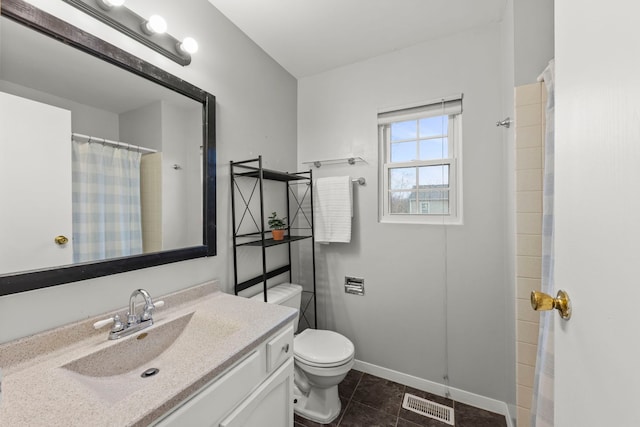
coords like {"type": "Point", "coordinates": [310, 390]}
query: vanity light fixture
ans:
{"type": "Point", "coordinates": [108, 4]}
{"type": "Point", "coordinates": [151, 32]}
{"type": "Point", "coordinates": [154, 25]}
{"type": "Point", "coordinates": [188, 45]}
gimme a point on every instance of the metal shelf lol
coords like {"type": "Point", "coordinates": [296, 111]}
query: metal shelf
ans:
{"type": "Point", "coordinates": [272, 175]}
{"type": "Point", "coordinates": [255, 218]}
{"type": "Point", "coordinates": [271, 242]}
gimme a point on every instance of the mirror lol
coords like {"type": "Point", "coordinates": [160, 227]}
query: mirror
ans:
{"type": "Point", "coordinates": [104, 97]}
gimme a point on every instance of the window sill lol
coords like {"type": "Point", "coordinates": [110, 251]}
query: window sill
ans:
{"type": "Point", "coordinates": [421, 221]}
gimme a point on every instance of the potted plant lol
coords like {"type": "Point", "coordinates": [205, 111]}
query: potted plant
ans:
{"type": "Point", "coordinates": [277, 226]}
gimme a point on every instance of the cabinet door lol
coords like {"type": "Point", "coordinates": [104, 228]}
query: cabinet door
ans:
{"type": "Point", "coordinates": [271, 404]}
{"type": "Point", "coordinates": [210, 404]}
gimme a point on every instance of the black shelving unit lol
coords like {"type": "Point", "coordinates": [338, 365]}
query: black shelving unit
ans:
{"type": "Point", "coordinates": [258, 236]}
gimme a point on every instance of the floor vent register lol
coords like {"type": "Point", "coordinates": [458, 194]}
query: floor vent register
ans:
{"type": "Point", "coordinates": [428, 408]}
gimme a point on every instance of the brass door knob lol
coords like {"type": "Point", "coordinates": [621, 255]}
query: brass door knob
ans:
{"type": "Point", "coordinates": [542, 302]}
{"type": "Point", "coordinates": [61, 240]}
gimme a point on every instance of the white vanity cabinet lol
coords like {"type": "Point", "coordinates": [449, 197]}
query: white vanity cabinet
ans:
{"type": "Point", "coordinates": [256, 391]}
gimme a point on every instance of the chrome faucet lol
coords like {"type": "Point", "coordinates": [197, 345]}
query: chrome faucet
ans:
{"type": "Point", "coordinates": [134, 323]}
{"type": "Point", "coordinates": [146, 316]}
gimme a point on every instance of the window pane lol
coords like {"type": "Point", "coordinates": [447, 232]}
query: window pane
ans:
{"type": "Point", "coordinates": [434, 176]}
{"type": "Point", "coordinates": [400, 202]}
{"type": "Point", "coordinates": [403, 151]}
{"type": "Point", "coordinates": [419, 202]}
{"type": "Point", "coordinates": [434, 126]}
{"type": "Point", "coordinates": [433, 202]}
{"type": "Point", "coordinates": [432, 149]}
{"type": "Point", "coordinates": [404, 130]}
{"type": "Point", "coordinates": [403, 178]}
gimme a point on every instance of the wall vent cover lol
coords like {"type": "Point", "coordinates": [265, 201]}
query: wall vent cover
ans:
{"type": "Point", "coordinates": [428, 408]}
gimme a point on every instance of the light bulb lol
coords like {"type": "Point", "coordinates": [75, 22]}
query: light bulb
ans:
{"type": "Point", "coordinates": [155, 25]}
{"type": "Point", "coordinates": [189, 45]}
{"type": "Point", "coordinates": [108, 4]}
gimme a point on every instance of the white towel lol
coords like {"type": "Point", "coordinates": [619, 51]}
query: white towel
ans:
{"type": "Point", "coordinates": [332, 209]}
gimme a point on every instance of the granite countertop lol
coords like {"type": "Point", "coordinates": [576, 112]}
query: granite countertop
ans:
{"type": "Point", "coordinates": [38, 390]}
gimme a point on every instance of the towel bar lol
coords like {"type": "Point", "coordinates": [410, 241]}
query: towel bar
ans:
{"type": "Point", "coordinates": [349, 160]}
{"type": "Point", "coordinates": [360, 181]}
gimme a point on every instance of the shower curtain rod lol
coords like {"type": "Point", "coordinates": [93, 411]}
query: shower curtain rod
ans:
{"type": "Point", "coordinates": [86, 138]}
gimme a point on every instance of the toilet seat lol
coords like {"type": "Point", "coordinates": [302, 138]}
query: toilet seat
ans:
{"type": "Point", "coordinates": [320, 348]}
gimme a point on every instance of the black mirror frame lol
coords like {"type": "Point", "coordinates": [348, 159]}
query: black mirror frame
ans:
{"type": "Point", "coordinates": [27, 14]}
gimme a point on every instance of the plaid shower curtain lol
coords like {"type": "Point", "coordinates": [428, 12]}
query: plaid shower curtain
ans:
{"type": "Point", "coordinates": [542, 405]}
{"type": "Point", "coordinates": [106, 201]}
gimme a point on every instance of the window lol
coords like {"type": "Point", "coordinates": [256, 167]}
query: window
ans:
{"type": "Point", "coordinates": [420, 163]}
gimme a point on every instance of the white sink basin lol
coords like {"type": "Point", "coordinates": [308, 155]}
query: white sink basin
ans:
{"type": "Point", "coordinates": [115, 371]}
{"type": "Point", "coordinates": [130, 353]}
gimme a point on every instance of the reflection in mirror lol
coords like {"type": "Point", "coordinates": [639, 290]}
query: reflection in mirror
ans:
{"type": "Point", "coordinates": [96, 162]}
{"type": "Point", "coordinates": [113, 200]}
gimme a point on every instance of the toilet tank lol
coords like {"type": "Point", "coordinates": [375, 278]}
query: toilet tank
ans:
{"type": "Point", "coordinates": [287, 294]}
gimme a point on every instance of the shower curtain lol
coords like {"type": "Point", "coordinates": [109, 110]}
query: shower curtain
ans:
{"type": "Point", "coordinates": [542, 405]}
{"type": "Point", "coordinates": [106, 201]}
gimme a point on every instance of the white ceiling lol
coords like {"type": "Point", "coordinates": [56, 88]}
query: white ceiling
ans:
{"type": "Point", "coordinates": [308, 37]}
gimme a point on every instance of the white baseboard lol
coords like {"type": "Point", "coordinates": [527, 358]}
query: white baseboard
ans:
{"type": "Point", "coordinates": [456, 394]}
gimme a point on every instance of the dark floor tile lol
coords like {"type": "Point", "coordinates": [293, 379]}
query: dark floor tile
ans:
{"type": "Point", "coordinates": [359, 415]}
{"type": "Point", "coordinates": [405, 423]}
{"type": "Point", "coordinates": [348, 385]}
{"type": "Point", "coordinates": [379, 393]}
{"type": "Point", "coordinates": [422, 420]}
{"type": "Point", "coordinates": [469, 416]}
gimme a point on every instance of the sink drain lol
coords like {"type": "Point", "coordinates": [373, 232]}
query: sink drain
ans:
{"type": "Point", "coordinates": [150, 372]}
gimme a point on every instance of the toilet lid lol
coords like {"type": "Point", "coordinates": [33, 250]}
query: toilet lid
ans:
{"type": "Point", "coordinates": [318, 347]}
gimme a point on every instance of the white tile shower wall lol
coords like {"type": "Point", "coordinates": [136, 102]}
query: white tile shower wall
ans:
{"type": "Point", "coordinates": [151, 201]}
{"type": "Point", "coordinates": [529, 102]}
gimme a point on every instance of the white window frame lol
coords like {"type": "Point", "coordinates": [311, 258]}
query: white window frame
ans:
{"type": "Point", "coordinates": [454, 160]}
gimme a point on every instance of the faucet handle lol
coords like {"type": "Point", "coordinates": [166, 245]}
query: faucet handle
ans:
{"type": "Point", "coordinates": [102, 323]}
{"type": "Point", "coordinates": [149, 308]}
{"type": "Point", "coordinates": [117, 324]}
{"type": "Point", "coordinates": [115, 321]}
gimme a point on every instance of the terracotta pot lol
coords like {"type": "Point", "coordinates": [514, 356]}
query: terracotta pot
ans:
{"type": "Point", "coordinates": [278, 234]}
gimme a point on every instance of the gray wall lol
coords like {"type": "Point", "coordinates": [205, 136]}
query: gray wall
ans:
{"type": "Point", "coordinates": [425, 284]}
{"type": "Point", "coordinates": [508, 141]}
{"type": "Point", "coordinates": [256, 114]}
{"type": "Point", "coordinates": [85, 119]}
{"type": "Point", "coordinates": [533, 38]}
{"type": "Point", "coordinates": [143, 126]}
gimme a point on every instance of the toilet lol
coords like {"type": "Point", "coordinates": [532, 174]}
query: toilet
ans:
{"type": "Point", "coordinates": [321, 361]}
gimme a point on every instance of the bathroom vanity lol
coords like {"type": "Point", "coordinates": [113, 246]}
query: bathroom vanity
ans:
{"type": "Point", "coordinates": [209, 359]}
{"type": "Point", "coordinates": [257, 391]}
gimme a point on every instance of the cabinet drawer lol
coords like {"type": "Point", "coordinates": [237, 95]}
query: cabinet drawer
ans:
{"type": "Point", "coordinates": [279, 349]}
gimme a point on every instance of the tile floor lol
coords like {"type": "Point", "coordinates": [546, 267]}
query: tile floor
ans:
{"type": "Point", "coordinates": [369, 401]}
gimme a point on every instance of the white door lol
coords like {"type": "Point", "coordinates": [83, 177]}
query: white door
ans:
{"type": "Point", "coordinates": [597, 240]}
{"type": "Point", "coordinates": [35, 184]}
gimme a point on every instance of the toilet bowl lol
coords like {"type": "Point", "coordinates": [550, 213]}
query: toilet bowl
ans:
{"type": "Point", "coordinates": [322, 359]}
